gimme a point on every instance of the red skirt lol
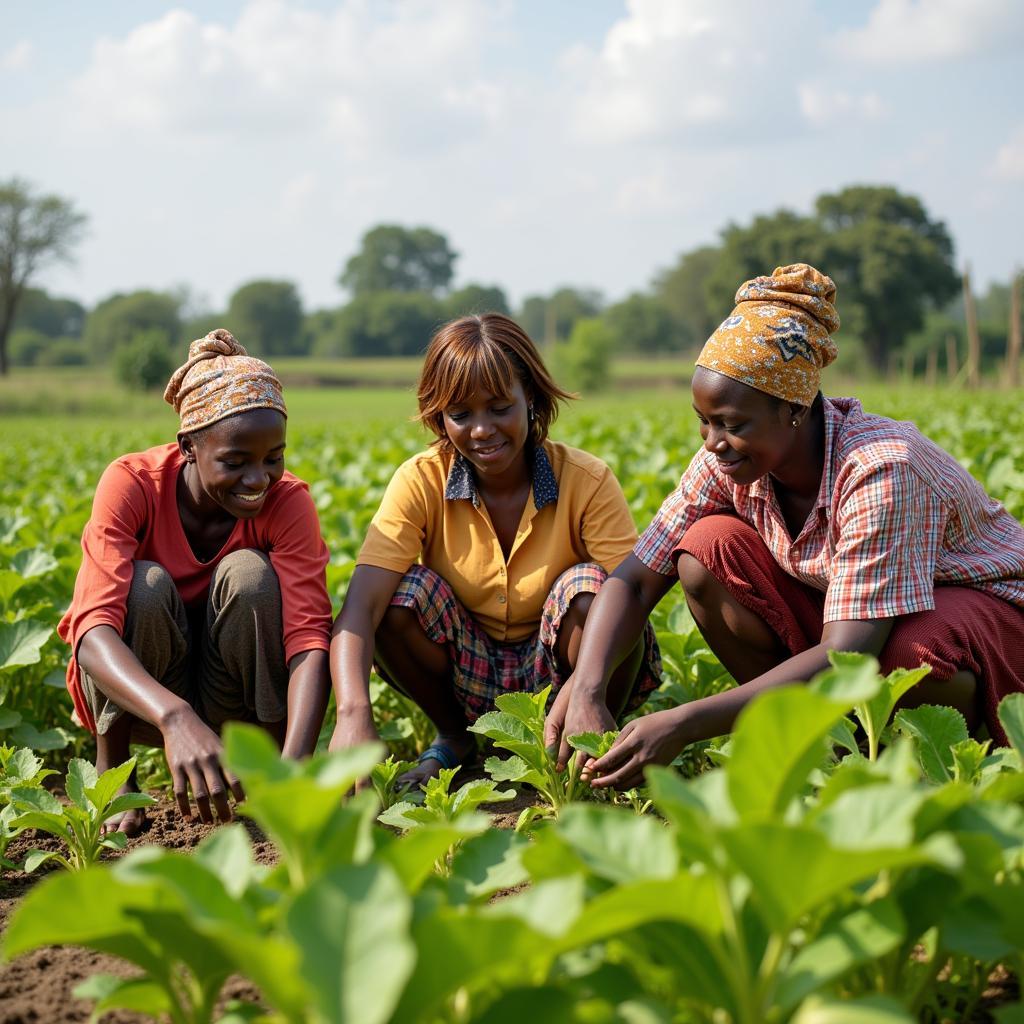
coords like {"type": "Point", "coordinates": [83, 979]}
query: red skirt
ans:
{"type": "Point", "coordinates": [968, 629]}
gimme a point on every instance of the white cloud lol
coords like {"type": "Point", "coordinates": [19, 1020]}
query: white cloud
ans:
{"type": "Point", "coordinates": [921, 30]}
{"type": "Point", "coordinates": [687, 68]}
{"type": "Point", "coordinates": [18, 57]}
{"type": "Point", "coordinates": [825, 106]}
{"type": "Point", "coordinates": [1009, 162]}
{"type": "Point", "coordinates": [405, 80]}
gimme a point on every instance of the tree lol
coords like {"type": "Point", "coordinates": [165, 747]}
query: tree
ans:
{"type": "Point", "coordinates": [144, 362]}
{"type": "Point", "coordinates": [56, 318]}
{"type": "Point", "coordinates": [394, 258]}
{"type": "Point", "coordinates": [34, 230]}
{"type": "Point", "coordinates": [683, 290]}
{"type": "Point", "coordinates": [387, 324]}
{"type": "Point", "coordinates": [641, 323]}
{"type": "Point", "coordinates": [551, 319]}
{"type": "Point", "coordinates": [889, 260]}
{"type": "Point", "coordinates": [266, 317]}
{"type": "Point", "coordinates": [475, 298]}
{"type": "Point", "coordinates": [583, 361]}
{"type": "Point", "coordinates": [121, 318]}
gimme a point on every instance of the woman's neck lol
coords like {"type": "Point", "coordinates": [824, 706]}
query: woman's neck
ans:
{"type": "Point", "coordinates": [801, 475]}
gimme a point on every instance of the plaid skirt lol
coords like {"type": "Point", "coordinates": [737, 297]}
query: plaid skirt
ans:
{"type": "Point", "coordinates": [483, 667]}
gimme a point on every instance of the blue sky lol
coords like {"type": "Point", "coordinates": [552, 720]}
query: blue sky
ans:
{"type": "Point", "coordinates": [587, 142]}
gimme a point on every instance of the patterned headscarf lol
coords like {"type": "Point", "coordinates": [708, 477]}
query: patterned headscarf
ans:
{"type": "Point", "coordinates": [777, 338]}
{"type": "Point", "coordinates": [219, 380]}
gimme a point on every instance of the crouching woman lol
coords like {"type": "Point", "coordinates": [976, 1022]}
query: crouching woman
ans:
{"type": "Point", "coordinates": [201, 597]}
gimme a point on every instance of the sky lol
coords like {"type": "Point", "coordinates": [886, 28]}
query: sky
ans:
{"type": "Point", "coordinates": [554, 142]}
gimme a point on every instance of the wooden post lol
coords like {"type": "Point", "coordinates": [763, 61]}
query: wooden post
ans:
{"type": "Point", "coordinates": [1013, 338]}
{"type": "Point", "coordinates": [931, 368]}
{"type": "Point", "coordinates": [973, 338]}
{"type": "Point", "coordinates": [952, 358]}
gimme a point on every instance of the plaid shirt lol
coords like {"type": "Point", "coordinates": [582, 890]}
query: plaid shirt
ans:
{"type": "Point", "coordinates": [895, 517]}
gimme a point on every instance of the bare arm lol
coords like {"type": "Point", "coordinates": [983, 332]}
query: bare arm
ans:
{"type": "Point", "coordinates": [658, 738]}
{"type": "Point", "coordinates": [193, 749]}
{"type": "Point", "coordinates": [309, 684]}
{"type": "Point", "coordinates": [369, 594]}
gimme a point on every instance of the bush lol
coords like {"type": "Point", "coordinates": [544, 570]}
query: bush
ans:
{"type": "Point", "coordinates": [144, 362]}
{"type": "Point", "coordinates": [25, 346]}
{"type": "Point", "coordinates": [63, 352]}
{"type": "Point", "coordinates": [584, 361]}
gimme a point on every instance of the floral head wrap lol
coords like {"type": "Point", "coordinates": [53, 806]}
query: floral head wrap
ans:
{"type": "Point", "coordinates": [219, 380]}
{"type": "Point", "coordinates": [777, 338]}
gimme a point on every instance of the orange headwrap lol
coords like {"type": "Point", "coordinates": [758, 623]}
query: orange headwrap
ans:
{"type": "Point", "coordinates": [777, 338]}
{"type": "Point", "coordinates": [219, 380]}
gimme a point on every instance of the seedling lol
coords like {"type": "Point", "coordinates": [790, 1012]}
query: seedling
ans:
{"type": "Point", "coordinates": [94, 800]}
{"type": "Point", "coordinates": [384, 777]}
{"type": "Point", "coordinates": [518, 726]}
{"type": "Point", "coordinates": [441, 807]}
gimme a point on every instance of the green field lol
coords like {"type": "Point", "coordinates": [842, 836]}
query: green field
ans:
{"type": "Point", "coordinates": [783, 876]}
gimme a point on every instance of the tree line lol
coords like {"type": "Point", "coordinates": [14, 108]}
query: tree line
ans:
{"type": "Point", "coordinates": [900, 295]}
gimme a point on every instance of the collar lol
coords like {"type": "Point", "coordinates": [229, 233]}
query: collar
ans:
{"type": "Point", "coordinates": [461, 484]}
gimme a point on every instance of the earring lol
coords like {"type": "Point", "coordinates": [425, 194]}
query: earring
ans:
{"type": "Point", "coordinates": [793, 422]}
{"type": "Point", "coordinates": [530, 413]}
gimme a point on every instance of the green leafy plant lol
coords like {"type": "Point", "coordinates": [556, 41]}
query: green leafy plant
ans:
{"type": "Point", "coordinates": [384, 777]}
{"type": "Point", "coordinates": [442, 807]}
{"type": "Point", "coordinates": [518, 727]}
{"type": "Point", "coordinates": [21, 769]}
{"type": "Point", "coordinates": [94, 800]}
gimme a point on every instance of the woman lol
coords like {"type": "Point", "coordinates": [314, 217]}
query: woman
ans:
{"type": "Point", "coordinates": [803, 526]}
{"type": "Point", "coordinates": [201, 597]}
{"type": "Point", "coordinates": [482, 561]}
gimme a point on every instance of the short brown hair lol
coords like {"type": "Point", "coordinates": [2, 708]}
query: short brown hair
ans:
{"type": "Point", "coordinates": [489, 351]}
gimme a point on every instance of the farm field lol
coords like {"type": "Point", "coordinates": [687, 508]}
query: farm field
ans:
{"type": "Point", "coordinates": [799, 880]}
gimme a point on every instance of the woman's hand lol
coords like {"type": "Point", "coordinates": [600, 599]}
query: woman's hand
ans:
{"type": "Point", "coordinates": [655, 739]}
{"type": "Point", "coordinates": [194, 753]}
{"type": "Point", "coordinates": [570, 715]}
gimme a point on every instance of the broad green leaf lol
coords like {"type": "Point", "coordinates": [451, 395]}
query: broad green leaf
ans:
{"type": "Point", "coordinates": [352, 928]}
{"type": "Point", "coordinates": [794, 870]}
{"type": "Point", "coordinates": [81, 776]}
{"type": "Point", "coordinates": [27, 735]}
{"type": "Point", "coordinates": [412, 855]}
{"type": "Point", "coordinates": [845, 942]}
{"type": "Point", "coordinates": [779, 737]}
{"type": "Point", "coordinates": [33, 562]}
{"type": "Point", "coordinates": [550, 907]}
{"type": "Point", "coordinates": [114, 841]}
{"type": "Point", "coordinates": [1011, 718]}
{"type": "Point", "coordinates": [852, 679]}
{"type": "Point", "coordinates": [109, 992]}
{"type": "Point", "coordinates": [8, 718]}
{"type": "Point", "coordinates": [490, 862]}
{"type": "Point", "coordinates": [616, 846]}
{"type": "Point", "coordinates": [512, 769]}
{"type": "Point", "coordinates": [873, 816]}
{"type": "Point", "coordinates": [936, 730]}
{"type": "Point", "coordinates": [20, 642]}
{"type": "Point", "coordinates": [253, 756]}
{"type": "Point", "coordinates": [35, 858]}
{"type": "Point", "coordinates": [865, 1010]}
{"type": "Point", "coordinates": [35, 798]}
{"type": "Point", "coordinates": [970, 927]}
{"type": "Point", "coordinates": [227, 853]}
{"type": "Point", "coordinates": [102, 791]}
{"type": "Point", "coordinates": [592, 743]}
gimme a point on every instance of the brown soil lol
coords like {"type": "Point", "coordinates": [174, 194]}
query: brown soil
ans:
{"type": "Point", "coordinates": [37, 988]}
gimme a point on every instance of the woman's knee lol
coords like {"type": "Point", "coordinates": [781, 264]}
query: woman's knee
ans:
{"type": "Point", "coordinates": [245, 573]}
{"type": "Point", "coordinates": [697, 580]}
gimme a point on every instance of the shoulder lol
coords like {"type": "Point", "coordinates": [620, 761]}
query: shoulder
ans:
{"type": "Point", "coordinates": [574, 465]}
{"type": "Point", "coordinates": [426, 470]}
{"type": "Point", "coordinates": [149, 469]}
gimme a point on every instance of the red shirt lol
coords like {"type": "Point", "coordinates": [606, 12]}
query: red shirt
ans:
{"type": "Point", "coordinates": [895, 517]}
{"type": "Point", "coordinates": [135, 518]}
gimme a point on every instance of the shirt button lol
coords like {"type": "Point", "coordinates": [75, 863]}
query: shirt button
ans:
{"type": "Point", "coordinates": [501, 599]}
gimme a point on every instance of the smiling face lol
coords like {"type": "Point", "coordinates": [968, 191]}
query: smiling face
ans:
{"type": "Point", "coordinates": [749, 432]}
{"type": "Point", "coordinates": [236, 461]}
{"type": "Point", "coordinates": [490, 430]}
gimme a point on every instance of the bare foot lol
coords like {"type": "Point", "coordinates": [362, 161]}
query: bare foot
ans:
{"type": "Point", "coordinates": [111, 750]}
{"type": "Point", "coordinates": [461, 748]}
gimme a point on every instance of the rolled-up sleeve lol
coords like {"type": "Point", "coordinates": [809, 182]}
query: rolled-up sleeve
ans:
{"type": "Point", "coordinates": [701, 492]}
